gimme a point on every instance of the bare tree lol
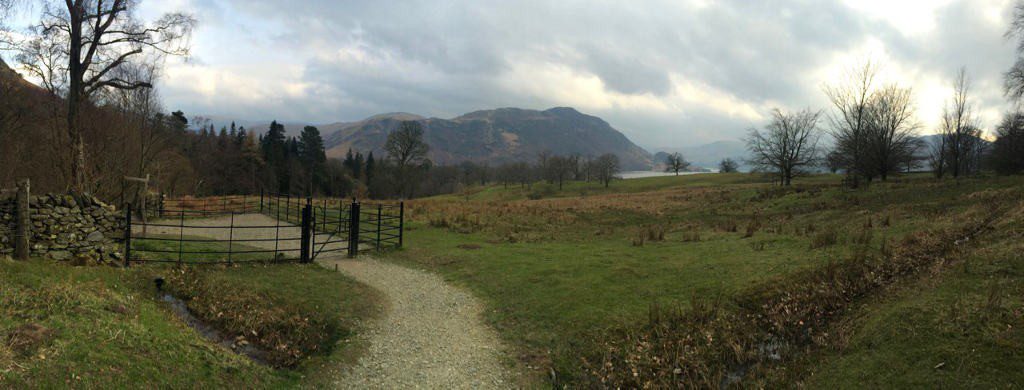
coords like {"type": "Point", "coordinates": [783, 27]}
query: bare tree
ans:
{"type": "Point", "coordinates": [959, 148]}
{"type": "Point", "coordinates": [728, 165]}
{"type": "Point", "coordinates": [1014, 78]}
{"type": "Point", "coordinates": [560, 169]}
{"type": "Point", "coordinates": [850, 116]}
{"type": "Point", "coordinates": [406, 147]}
{"type": "Point", "coordinates": [79, 45]}
{"type": "Point", "coordinates": [890, 133]}
{"type": "Point", "coordinates": [606, 167]}
{"type": "Point", "coordinates": [675, 163]}
{"type": "Point", "coordinates": [787, 146]}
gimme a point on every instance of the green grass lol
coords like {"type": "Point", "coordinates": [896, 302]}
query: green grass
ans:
{"type": "Point", "coordinates": [98, 327]}
{"type": "Point", "coordinates": [963, 329]}
{"type": "Point", "coordinates": [557, 272]}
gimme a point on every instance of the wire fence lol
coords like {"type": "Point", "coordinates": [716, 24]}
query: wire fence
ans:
{"type": "Point", "coordinates": [266, 228]}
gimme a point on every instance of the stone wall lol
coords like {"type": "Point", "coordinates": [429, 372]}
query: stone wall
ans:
{"type": "Point", "coordinates": [75, 227]}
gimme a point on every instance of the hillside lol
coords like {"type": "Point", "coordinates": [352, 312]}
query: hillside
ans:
{"type": "Point", "coordinates": [496, 136]}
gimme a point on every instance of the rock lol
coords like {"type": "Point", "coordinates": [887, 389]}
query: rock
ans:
{"type": "Point", "coordinates": [95, 236]}
{"type": "Point", "coordinates": [60, 255]}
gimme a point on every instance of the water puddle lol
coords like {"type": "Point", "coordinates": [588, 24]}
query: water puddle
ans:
{"type": "Point", "coordinates": [237, 345]}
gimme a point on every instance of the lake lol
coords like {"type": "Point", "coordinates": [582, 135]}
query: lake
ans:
{"type": "Point", "coordinates": [641, 174]}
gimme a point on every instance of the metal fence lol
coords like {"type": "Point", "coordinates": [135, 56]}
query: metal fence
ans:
{"type": "Point", "coordinates": [234, 229]}
{"type": "Point", "coordinates": [342, 224]}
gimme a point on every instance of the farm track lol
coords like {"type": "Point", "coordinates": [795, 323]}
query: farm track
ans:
{"type": "Point", "coordinates": [431, 336]}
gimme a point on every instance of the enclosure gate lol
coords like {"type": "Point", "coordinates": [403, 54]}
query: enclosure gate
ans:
{"type": "Point", "coordinates": [304, 228]}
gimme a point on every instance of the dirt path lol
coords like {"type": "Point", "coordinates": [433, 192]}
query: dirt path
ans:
{"type": "Point", "coordinates": [432, 335]}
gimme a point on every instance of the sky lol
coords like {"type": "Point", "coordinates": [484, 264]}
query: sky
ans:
{"type": "Point", "coordinates": [666, 73]}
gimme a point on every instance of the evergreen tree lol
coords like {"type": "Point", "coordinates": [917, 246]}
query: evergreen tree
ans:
{"type": "Point", "coordinates": [311, 153]}
{"type": "Point", "coordinates": [274, 147]}
{"type": "Point", "coordinates": [371, 165]}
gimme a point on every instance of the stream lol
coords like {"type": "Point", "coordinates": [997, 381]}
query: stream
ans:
{"type": "Point", "coordinates": [211, 334]}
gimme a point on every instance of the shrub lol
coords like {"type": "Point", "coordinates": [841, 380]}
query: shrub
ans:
{"type": "Point", "coordinates": [752, 228]}
{"type": "Point", "coordinates": [655, 233]}
{"type": "Point", "coordinates": [638, 240]}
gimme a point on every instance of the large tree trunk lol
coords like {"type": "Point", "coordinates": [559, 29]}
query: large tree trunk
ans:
{"type": "Point", "coordinates": [75, 96]}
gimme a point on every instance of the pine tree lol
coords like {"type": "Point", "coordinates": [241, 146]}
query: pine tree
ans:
{"type": "Point", "coordinates": [371, 165]}
{"type": "Point", "coordinates": [311, 153]}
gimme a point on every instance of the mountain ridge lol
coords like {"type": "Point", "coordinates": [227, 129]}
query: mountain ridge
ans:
{"type": "Point", "coordinates": [496, 136]}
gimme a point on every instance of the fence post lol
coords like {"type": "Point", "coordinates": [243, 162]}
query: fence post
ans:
{"type": "Point", "coordinates": [128, 235]}
{"type": "Point", "coordinates": [261, 201]}
{"type": "Point", "coordinates": [379, 212]}
{"type": "Point", "coordinates": [24, 220]}
{"type": "Point", "coordinates": [401, 222]}
{"type": "Point", "coordinates": [353, 230]}
{"type": "Point", "coordinates": [231, 237]}
{"type": "Point", "coordinates": [181, 235]}
{"type": "Point", "coordinates": [304, 234]}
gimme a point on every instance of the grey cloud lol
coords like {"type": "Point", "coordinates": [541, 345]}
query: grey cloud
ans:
{"type": "Point", "coordinates": [442, 58]}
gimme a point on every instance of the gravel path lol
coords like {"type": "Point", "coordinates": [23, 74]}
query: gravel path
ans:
{"type": "Point", "coordinates": [432, 335]}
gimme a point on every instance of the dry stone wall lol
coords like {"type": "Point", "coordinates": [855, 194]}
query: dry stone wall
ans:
{"type": "Point", "coordinates": [76, 227]}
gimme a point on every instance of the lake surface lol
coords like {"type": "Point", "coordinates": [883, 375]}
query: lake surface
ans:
{"type": "Point", "coordinates": [641, 174]}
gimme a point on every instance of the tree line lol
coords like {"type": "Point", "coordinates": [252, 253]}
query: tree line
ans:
{"type": "Point", "coordinates": [875, 134]}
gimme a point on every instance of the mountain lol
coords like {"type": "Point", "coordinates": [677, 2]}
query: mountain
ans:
{"type": "Point", "coordinates": [496, 136]}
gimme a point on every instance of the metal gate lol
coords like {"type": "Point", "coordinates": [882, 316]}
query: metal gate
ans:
{"type": "Point", "coordinates": [298, 230]}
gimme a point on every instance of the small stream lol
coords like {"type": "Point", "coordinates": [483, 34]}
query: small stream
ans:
{"type": "Point", "coordinates": [211, 334]}
{"type": "Point", "coordinates": [770, 350]}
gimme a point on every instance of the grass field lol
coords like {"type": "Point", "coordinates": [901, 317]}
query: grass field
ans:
{"type": "Point", "coordinates": [565, 273]}
{"type": "Point", "coordinates": [98, 327]}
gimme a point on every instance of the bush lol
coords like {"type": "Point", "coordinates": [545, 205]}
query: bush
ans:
{"type": "Point", "coordinates": [655, 233]}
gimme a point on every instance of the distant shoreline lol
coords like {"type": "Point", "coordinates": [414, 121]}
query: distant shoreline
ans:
{"type": "Point", "coordinates": [643, 174]}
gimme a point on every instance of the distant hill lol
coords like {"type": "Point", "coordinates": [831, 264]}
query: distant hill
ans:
{"type": "Point", "coordinates": [495, 136]}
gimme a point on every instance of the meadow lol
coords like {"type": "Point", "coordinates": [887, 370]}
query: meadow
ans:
{"type": "Point", "coordinates": [579, 279]}
{"type": "Point", "coordinates": [102, 327]}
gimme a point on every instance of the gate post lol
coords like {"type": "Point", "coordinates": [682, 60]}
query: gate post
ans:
{"type": "Point", "coordinates": [401, 222]}
{"type": "Point", "coordinates": [380, 209]}
{"type": "Point", "coordinates": [353, 230]}
{"type": "Point", "coordinates": [307, 212]}
{"type": "Point", "coordinates": [128, 235]}
{"type": "Point", "coordinates": [24, 221]}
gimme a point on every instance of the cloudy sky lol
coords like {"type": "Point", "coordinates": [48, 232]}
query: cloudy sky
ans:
{"type": "Point", "coordinates": [666, 73]}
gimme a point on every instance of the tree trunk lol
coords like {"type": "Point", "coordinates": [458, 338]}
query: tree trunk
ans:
{"type": "Point", "coordinates": [75, 96]}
